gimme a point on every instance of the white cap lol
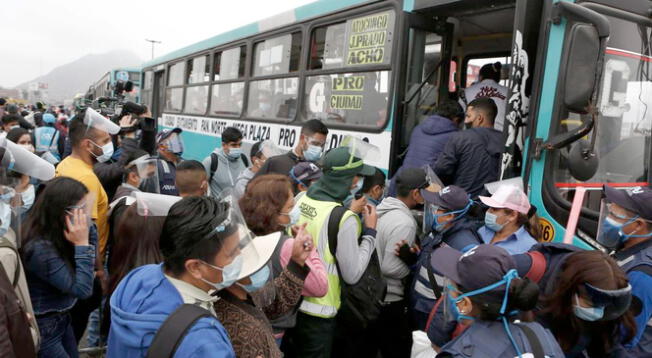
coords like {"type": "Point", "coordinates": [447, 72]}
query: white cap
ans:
{"type": "Point", "coordinates": [508, 197]}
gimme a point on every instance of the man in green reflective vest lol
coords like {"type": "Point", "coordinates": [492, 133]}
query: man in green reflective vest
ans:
{"type": "Point", "coordinates": [343, 171]}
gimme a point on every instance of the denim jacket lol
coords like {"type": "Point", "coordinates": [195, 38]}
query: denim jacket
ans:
{"type": "Point", "coordinates": [53, 285]}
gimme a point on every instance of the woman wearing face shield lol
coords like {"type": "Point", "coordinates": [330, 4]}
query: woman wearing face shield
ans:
{"type": "Point", "coordinates": [510, 222]}
{"type": "Point", "coordinates": [450, 225]}
{"type": "Point", "coordinates": [25, 186]}
{"type": "Point", "coordinates": [485, 295]}
{"type": "Point", "coordinates": [268, 206]}
{"type": "Point", "coordinates": [586, 305]}
{"type": "Point", "coordinates": [201, 244]}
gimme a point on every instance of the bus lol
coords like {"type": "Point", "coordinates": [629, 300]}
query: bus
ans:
{"type": "Point", "coordinates": [578, 113]}
{"type": "Point", "coordinates": [104, 87]}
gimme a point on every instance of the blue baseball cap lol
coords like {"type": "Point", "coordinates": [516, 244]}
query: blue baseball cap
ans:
{"type": "Point", "coordinates": [49, 118]}
{"type": "Point", "coordinates": [637, 200]}
{"type": "Point", "coordinates": [451, 197]}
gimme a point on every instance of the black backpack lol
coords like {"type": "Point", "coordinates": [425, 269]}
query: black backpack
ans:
{"type": "Point", "coordinates": [362, 301]}
{"type": "Point", "coordinates": [174, 329]}
{"type": "Point", "coordinates": [215, 162]}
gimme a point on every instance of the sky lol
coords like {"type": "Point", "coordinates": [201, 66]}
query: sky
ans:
{"type": "Point", "coordinates": [39, 35]}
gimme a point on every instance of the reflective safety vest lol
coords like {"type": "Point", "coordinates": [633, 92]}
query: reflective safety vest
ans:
{"type": "Point", "coordinates": [316, 213]}
{"type": "Point", "coordinates": [47, 139]}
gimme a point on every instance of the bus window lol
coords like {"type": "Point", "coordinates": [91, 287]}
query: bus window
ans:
{"type": "Point", "coordinates": [327, 47]}
{"type": "Point", "coordinates": [624, 124]}
{"type": "Point", "coordinates": [229, 64]}
{"type": "Point", "coordinates": [226, 98]}
{"type": "Point", "coordinates": [149, 80]}
{"type": "Point", "coordinates": [175, 74]}
{"type": "Point", "coordinates": [173, 99]}
{"type": "Point", "coordinates": [198, 70]}
{"type": "Point", "coordinates": [474, 65]}
{"type": "Point", "coordinates": [134, 76]}
{"type": "Point", "coordinates": [196, 99]}
{"type": "Point", "coordinates": [277, 55]}
{"type": "Point", "coordinates": [273, 99]}
{"type": "Point", "coordinates": [349, 98]}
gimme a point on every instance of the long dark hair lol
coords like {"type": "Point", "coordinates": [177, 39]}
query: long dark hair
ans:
{"type": "Point", "coordinates": [47, 218]}
{"type": "Point", "coordinates": [263, 201]}
{"type": "Point", "coordinates": [598, 269]}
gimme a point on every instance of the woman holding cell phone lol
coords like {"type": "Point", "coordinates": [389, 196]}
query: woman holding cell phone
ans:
{"type": "Point", "coordinates": [59, 256]}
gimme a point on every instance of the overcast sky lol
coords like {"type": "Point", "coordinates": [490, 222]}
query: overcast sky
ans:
{"type": "Point", "coordinates": [39, 35]}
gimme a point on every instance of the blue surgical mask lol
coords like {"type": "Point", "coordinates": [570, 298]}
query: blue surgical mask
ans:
{"type": "Point", "coordinates": [230, 273]}
{"type": "Point", "coordinates": [5, 218]}
{"type": "Point", "coordinates": [313, 153]}
{"type": "Point", "coordinates": [612, 233]}
{"type": "Point", "coordinates": [107, 152]}
{"type": "Point", "coordinates": [295, 215]}
{"type": "Point", "coordinates": [258, 280]}
{"type": "Point", "coordinates": [235, 153]}
{"type": "Point", "coordinates": [357, 187]}
{"type": "Point", "coordinates": [590, 314]}
{"type": "Point", "coordinates": [28, 197]}
{"type": "Point", "coordinates": [490, 221]}
{"type": "Point", "coordinates": [457, 315]}
{"type": "Point", "coordinates": [375, 202]}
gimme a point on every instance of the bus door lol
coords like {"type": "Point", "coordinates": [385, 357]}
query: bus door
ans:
{"type": "Point", "coordinates": [426, 75]}
{"type": "Point", "coordinates": [158, 94]}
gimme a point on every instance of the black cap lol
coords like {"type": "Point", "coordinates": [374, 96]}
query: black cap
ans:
{"type": "Point", "coordinates": [412, 178]}
{"type": "Point", "coordinates": [637, 200]}
{"type": "Point", "coordinates": [305, 172]}
{"type": "Point", "coordinates": [479, 267]}
{"type": "Point", "coordinates": [451, 197]}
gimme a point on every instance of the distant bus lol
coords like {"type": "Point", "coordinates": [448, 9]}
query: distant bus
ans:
{"type": "Point", "coordinates": [375, 69]}
{"type": "Point", "coordinates": [104, 87]}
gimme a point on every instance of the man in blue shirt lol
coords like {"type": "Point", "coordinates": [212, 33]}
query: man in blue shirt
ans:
{"type": "Point", "coordinates": [626, 227]}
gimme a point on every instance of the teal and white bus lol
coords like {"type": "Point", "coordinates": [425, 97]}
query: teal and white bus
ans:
{"type": "Point", "coordinates": [374, 69]}
{"type": "Point", "coordinates": [104, 87]}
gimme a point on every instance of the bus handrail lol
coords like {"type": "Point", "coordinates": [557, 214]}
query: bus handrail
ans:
{"type": "Point", "coordinates": [423, 83]}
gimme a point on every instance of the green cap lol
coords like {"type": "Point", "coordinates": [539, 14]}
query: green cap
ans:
{"type": "Point", "coordinates": [340, 159]}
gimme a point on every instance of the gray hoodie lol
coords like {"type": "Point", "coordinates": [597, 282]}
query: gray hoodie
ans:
{"type": "Point", "coordinates": [226, 174]}
{"type": "Point", "coordinates": [395, 223]}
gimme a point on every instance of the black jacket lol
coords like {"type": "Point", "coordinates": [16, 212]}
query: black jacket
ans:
{"type": "Point", "coordinates": [471, 159]}
{"type": "Point", "coordinates": [280, 164]}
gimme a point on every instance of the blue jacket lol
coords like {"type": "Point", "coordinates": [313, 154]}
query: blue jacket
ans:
{"type": "Point", "coordinates": [426, 143]}
{"type": "Point", "coordinates": [167, 174]}
{"type": "Point", "coordinates": [471, 159]}
{"type": "Point", "coordinates": [141, 303]}
{"type": "Point", "coordinates": [53, 285]}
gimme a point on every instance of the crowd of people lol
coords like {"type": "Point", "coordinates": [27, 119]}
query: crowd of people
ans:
{"type": "Point", "coordinates": [111, 239]}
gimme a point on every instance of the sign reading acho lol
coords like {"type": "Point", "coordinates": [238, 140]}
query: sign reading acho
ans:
{"type": "Point", "coordinates": [369, 39]}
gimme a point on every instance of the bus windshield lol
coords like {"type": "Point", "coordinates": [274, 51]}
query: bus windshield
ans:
{"type": "Point", "coordinates": [625, 114]}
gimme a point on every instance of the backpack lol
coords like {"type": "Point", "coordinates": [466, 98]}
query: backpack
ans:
{"type": "Point", "coordinates": [174, 329]}
{"type": "Point", "coordinates": [5, 243]}
{"type": "Point", "coordinates": [215, 162]}
{"type": "Point", "coordinates": [362, 301]}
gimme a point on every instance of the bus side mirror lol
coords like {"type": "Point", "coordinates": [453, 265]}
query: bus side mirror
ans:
{"type": "Point", "coordinates": [582, 63]}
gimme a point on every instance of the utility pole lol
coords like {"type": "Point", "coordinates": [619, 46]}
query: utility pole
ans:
{"type": "Point", "coordinates": [153, 42]}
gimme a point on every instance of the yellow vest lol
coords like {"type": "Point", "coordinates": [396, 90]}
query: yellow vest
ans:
{"type": "Point", "coordinates": [316, 213]}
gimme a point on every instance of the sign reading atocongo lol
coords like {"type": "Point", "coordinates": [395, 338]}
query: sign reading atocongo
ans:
{"type": "Point", "coordinates": [369, 39]}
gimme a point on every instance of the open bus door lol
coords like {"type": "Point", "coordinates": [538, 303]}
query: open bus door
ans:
{"type": "Point", "coordinates": [158, 98]}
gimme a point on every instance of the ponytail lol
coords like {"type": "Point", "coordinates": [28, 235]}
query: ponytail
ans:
{"type": "Point", "coordinates": [523, 295]}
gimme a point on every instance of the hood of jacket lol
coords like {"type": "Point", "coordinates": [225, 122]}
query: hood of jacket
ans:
{"type": "Point", "coordinates": [390, 204]}
{"type": "Point", "coordinates": [437, 124]}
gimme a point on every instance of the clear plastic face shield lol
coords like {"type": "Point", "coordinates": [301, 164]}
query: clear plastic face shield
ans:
{"type": "Point", "coordinates": [17, 164]}
{"type": "Point", "coordinates": [430, 210]}
{"type": "Point", "coordinates": [361, 152]}
{"type": "Point", "coordinates": [613, 219]}
{"type": "Point", "coordinates": [268, 149]}
{"type": "Point", "coordinates": [174, 144]}
{"type": "Point", "coordinates": [94, 120]}
{"type": "Point", "coordinates": [147, 170]}
{"type": "Point", "coordinates": [150, 204]}
{"type": "Point", "coordinates": [516, 181]}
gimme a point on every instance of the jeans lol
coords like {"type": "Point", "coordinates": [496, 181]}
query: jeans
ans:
{"type": "Point", "coordinates": [57, 337]}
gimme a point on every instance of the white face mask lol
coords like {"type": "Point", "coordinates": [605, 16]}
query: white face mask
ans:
{"type": "Point", "coordinates": [107, 152]}
{"type": "Point", "coordinates": [28, 147]}
{"type": "Point", "coordinates": [28, 197]}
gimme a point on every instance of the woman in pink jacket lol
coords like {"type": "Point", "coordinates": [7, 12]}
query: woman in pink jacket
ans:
{"type": "Point", "coordinates": [268, 206]}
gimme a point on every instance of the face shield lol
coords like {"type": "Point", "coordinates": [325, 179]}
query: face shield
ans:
{"type": "Point", "coordinates": [150, 204]}
{"type": "Point", "coordinates": [613, 303]}
{"type": "Point", "coordinates": [493, 186]}
{"type": "Point", "coordinates": [360, 152]}
{"type": "Point", "coordinates": [94, 120]}
{"type": "Point", "coordinates": [269, 149]}
{"type": "Point", "coordinates": [147, 170]}
{"type": "Point", "coordinates": [610, 225]}
{"type": "Point", "coordinates": [429, 210]}
{"type": "Point", "coordinates": [15, 162]}
{"type": "Point", "coordinates": [174, 144]}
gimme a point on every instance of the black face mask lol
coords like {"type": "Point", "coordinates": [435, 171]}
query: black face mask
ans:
{"type": "Point", "coordinates": [468, 125]}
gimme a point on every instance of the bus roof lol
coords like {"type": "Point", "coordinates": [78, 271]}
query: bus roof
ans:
{"type": "Point", "coordinates": [302, 13]}
{"type": "Point", "coordinates": [128, 69]}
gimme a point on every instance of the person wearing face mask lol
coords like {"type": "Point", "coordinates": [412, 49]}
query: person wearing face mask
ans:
{"type": "Point", "coordinates": [510, 221]}
{"type": "Point", "coordinates": [268, 206]}
{"type": "Point", "coordinates": [626, 229]}
{"type": "Point", "coordinates": [170, 149]}
{"type": "Point", "coordinates": [260, 151]}
{"type": "Point", "coordinates": [488, 86]}
{"type": "Point", "coordinates": [59, 254]}
{"type": "Point", "coordinates": [303, 175]}
{"type": "Point", "coordinates": [372, 189]}
{"type": "Point", "coordinates": [390, 334]}
{"type": "Point", "coordinates": [310, 147]}
{"type": "Point", "coordinates": [9, 122]}
{"type": "Point", "coordinates": [224, 165]}
{"type": "Point", "coordinates": [450, 226]}
{"type": "Point", "coordinates": [350, 253]}
{"type": "Point", "coordinates": [205, 247]}
{"type": "Point", "coordinates": [25, 187]}
{"type": "Point", "coordinates": [471, 158]}
{"type": "Point", "coordinates": [191, 179]}
{"type": "Point", "coordinates": [484, 294]}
